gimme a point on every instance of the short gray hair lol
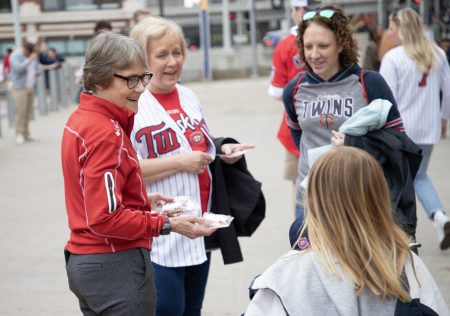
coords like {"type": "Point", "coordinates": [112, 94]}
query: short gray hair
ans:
{"type": "Point", "coordinates": [107, 53]}
{"type": "Point", "coordinates": [152, 28]}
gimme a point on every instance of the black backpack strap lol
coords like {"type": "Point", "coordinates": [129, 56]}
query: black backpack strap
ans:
{"type": "Point", "coordinates": [414, 307]}
{"type": "Point", "coordinates": [361, 78]}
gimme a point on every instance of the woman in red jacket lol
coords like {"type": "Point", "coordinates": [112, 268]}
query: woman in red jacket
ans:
{"type": "Point", "coordinates": [107, 257]}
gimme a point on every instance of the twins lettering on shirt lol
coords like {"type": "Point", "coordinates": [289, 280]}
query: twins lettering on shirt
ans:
{"type": "Point", "coordinates": [328, 109]}
{"type": "Point", "coordinates": [161, 139]}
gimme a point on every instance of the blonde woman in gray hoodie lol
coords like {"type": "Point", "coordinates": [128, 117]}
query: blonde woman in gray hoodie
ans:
{"type": "Point", "coordinates": [358, 260]}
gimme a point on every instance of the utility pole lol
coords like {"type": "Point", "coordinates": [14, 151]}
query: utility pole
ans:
{"type": "Point", "coordinates": [205, 43]}
{"type": "Point", "coordinates": [285, 24]}
{"type": "Point", "coordinates": [161, 8]}
{"type": "Point", "coordinates": [16, 21]}
{"type": "Point", "coordinates": [226, 29]}
{"type": "Point", "coordinates": [381, 9]}
{"type": "Point", "coordinates": [252, 17]}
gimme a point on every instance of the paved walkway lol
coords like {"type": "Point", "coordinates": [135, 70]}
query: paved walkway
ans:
{"type": "Point", "coordinates": [33, 223]}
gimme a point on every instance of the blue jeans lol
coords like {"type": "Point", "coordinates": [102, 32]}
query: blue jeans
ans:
{"type": "Point", "coordinates": [299, 212]}
{"type": "Point", "coordinates": [180, 291]}
{"type": "Point", "coordinates": [296, 226]}
{"type": "Point", "coordinates": [423, 186]}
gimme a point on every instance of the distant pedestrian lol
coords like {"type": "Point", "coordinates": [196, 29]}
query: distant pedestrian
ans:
{"type": "Point", "coordinates": [55, 56]}
{"type": "Point", "coordinates": [359, 261]}
{"type": "Point", "coordinates": [417, 71]}
{"type": "Point", "coordinates": [102, 26]}
{"type": "Point", "coordinates": [111, 227]}
{"type": "Point", "coordinates": [286, 64]}
{"type": "Point", "coordinates": [140, 14]}
{"type": "Point", "coordinates": [46, 63]}
{"type": "Point", "coordinates": [389, 39]}
{"type": "Point", "coordinates": [6, 70]}
{"type": "Point", "coordinates": [371, 59]}
{"type": "Point", "coordinates": [23, 78]}
{"type": "Point", "coordinates": [137, 17]}
{"type": "Point", "coordinates": [436, 28]}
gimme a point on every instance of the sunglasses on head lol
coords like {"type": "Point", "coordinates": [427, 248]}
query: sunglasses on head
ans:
{"type": "Point", "coordinates": [327, 13]}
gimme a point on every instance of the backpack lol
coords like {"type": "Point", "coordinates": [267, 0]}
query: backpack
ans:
{"type": "Point", "coordinates": [414, 307]}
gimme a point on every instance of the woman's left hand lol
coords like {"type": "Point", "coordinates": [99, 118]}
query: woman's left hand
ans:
{"type": "Point", "coordinates": [156, 197]}
{"type": "Point", "coordinates": [228, 149]}
{"type": "Point", "coordinates": [338, 138]}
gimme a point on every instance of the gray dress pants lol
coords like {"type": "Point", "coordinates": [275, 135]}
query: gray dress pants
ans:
{"type": "Point", "coordinates": [120, 283]}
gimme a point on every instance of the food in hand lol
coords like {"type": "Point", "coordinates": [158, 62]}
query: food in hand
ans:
{"type": "Point", "coordinates": [181, 205]}
{"type": "Point", "coordinates": [217, 220]}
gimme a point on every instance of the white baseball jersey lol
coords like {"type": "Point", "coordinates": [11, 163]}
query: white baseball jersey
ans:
{"type": "Point", "coordinates": [417, 94]}
{"type": "Point", "coordinates": [155, 134]}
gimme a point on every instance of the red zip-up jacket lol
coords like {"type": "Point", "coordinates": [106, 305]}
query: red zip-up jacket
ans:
{"type": "Point", "coordinates": [106, 200]}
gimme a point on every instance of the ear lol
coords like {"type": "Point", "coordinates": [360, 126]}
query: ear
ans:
{"type": "Point", "coordinates": [340, 49]}
{"type": "Point", "coordinates": [99, 89]}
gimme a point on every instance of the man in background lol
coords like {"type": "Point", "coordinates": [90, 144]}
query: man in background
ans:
{"type": "Point", "coordinates": [102, 26]}
{"type": "Point", "coordinates": [23, 77]}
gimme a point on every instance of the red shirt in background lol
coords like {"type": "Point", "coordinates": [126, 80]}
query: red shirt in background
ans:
{"type": "Point", "coordinates": [286, 65]}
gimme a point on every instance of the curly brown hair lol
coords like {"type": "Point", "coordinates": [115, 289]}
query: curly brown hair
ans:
{"type": "Point", "coordinates": [340, 26]}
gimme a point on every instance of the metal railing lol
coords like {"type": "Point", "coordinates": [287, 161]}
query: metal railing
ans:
{"type": "Point", "coordinates": [62, 92]}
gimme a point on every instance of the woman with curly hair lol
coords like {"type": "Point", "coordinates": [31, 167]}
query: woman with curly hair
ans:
{"type": "Point", "coordinates": [331, 90]}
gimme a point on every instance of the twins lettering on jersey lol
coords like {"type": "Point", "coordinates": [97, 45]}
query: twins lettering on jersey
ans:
{"type": "Point", "coordinates": [185, 122]}
{"type": "Point", "coordinates": [326, 110]}
{"type": "Point", "coordinates": [161, 139]}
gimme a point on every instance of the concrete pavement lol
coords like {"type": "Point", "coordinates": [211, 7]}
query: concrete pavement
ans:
{"type": "Point", "coordinates": [33, 223]}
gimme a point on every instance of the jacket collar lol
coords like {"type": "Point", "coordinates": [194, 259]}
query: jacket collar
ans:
{"type": "Point", "coordinates": [124, 117]}
{"type": "Point", "coordinates": [341, 74]}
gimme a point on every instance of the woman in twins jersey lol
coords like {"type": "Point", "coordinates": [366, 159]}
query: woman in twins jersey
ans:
{"type": "Point", "coordinates": [416, 71]}
{"type": "Point", "coordinates": [173, 143]}
{"type": "Point", "coordinates": [331, 90]}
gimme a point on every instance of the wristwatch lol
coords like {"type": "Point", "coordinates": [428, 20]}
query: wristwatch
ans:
{"type": "Point", "coordinates": [167, 228]}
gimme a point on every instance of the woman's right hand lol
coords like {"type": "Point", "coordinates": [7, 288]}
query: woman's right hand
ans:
{"type": "Point", "coordinates": [195, 161]}
{"type": "Point", "coordinates": [338, 138]}
{"type": "Point", "coordinates": [191, 226]}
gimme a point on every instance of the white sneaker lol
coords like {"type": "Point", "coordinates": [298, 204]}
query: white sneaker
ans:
{"type": "Point", "coordinates": [20, 140]}
{"type": "Point", "coordinates": [442, 225]}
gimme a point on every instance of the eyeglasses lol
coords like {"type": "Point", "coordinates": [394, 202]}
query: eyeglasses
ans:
{"type": "Point", "coordinates": [133, 81]}
{"type": "Point", "coordinates": [327, 13]}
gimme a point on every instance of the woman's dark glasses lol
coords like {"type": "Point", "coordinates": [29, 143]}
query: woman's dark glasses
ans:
{"type": "Point", "coordinates": [133, 81]}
